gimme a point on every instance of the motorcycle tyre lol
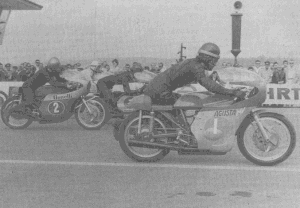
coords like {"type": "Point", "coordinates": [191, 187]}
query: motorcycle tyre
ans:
{"type": "Point", "coordinates": [127, 151]}
{"type": "Point", "coordinates": [3, 96]}
{"type": "Point", "coordinates": [292, 145]}
{"type": "Point", "coordinates": [107, 115]}
{"type": "Point", "coordinates": [4, 119]}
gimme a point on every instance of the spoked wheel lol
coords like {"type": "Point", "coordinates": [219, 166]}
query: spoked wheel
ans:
{"type": "Point", "coordinates": [14, 120]}
{"type": "Point", "coordinates": [94, 116]}
{"type": "Point", "coordinates": [280, 146]}
{"type": "Point", "coordinates": [3, 98]}
{"type": "Point", "coordinates": [129, 131]}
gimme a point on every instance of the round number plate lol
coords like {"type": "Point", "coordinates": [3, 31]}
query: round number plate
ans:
{"type": "Point", "coordinates": [56, 107]}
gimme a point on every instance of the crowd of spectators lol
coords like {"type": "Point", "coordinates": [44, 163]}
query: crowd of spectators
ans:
{"type": "Point", "coordinates": [287, 73]}
{"type": "Point", "coordinates": [19, 73]}
{"type": "Point", "coordinates": [25, 70]}
{"type": "Point", "coordinates": [270, 72]}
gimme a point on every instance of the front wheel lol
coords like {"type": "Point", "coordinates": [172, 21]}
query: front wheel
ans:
{"type": "Point", "coordinates": [11, 119]}
{"type": "Point", "coordinates": [129, 130]}
{"type": "Point", "coordinates": [93, 114]}
{"type": "Point", "coordinates": [256, 149]}
{"type": "Point", "coordinates": [3, 98]}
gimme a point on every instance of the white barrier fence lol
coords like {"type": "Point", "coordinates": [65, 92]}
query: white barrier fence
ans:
{"type": "Point", "coordinates": [277, 94]}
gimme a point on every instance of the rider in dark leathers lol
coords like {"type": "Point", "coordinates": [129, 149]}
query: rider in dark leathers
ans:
{"type": "Point", "coordinates": [105, 85]}
{"type": "Point", "coordinates": [161, 88]}
{"type": "Point", "coordinates": [50, 74]}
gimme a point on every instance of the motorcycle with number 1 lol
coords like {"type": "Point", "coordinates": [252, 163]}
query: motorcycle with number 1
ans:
{"type": "Point", "coordinates": [203, 123]}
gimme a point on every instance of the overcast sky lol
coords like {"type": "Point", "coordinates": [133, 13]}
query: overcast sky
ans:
{"type": "Point", "coordinates": [88, 29]}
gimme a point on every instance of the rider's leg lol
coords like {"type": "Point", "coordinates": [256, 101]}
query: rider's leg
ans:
{"type": "Point", "coordinates": [103, 90]}
{"type": "Point", "coordinates": [28, 96]}
{"type": "Point", "coordinates": [28, 101]}
{"type": "Point", "coordinates": [104, 86]}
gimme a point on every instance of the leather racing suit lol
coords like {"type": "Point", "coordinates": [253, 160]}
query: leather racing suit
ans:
{"type": "Point", "coordinates": [106, 84]}
{"type": "Point", "coordinates": [161, 88]}
{"type": "Point", "coordinates": [39, 79]}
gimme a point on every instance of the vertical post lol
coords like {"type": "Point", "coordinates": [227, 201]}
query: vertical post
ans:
{"type": "Point", "coordinates": [4, 16]}
{"type": "Point", "coordinates": [236, 31]}
{"type": "Point", "coordinates": [181, 53]}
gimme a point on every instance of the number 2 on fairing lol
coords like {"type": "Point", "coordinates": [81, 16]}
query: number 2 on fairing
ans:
{"type": "Point", "coordinates": [56, 107]}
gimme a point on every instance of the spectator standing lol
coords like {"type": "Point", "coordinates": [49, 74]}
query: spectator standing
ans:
{"type": "Point", "coordinates": [285, 64]}
{"type": "Point", "coordinates": [38, 65]}
{"type": "Point", "coordinates": [257, 66]}
{"type": "Point", "coordinates": [275, 65]}
{"type": "Point", "coordinates": [279, 76]}
{"type": "Point", "coordinates": [107, 67]}
{"type": "Point", "coordinates": [22, 76]}
{"type": "Point", "coordinates": [292, 74]}
{"type": "Point", "coordinates": [8, 71]}
{"type": "Point", "coordinates": [2, 75]}
{"type": "Point", "coordinates": [161, 67]}
{"type": "Point", "coordinates": [266, 72]}
{"type": "Point", "coordinates": [153, 68]}
{"type": "Point", "coordinates": [14, 73]}
{"type": "Point", "coordinates": [116, 67]}
{"type": "Point", "coordinates": [127, 67]}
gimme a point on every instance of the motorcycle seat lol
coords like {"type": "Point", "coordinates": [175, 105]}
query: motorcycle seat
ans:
{"type": "Point", "coordinates": [141, 102]}
{"type": "Point", "coordinates": [49, 89]}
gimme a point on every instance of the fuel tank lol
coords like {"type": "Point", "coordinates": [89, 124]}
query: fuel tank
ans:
{"type": "Point", "coordinates": [198, 100]}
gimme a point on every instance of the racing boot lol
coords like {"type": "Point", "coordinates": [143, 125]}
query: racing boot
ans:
{"type": "Point", "coordinates": [114, 110]}
{"type": "Point", "coordinates": [32, 111]}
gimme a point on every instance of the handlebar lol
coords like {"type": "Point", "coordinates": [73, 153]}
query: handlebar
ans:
{"type": "Point", "coordinates": [248, 92]}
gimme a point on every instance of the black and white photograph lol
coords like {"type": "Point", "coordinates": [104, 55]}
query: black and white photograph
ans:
{"type": "Point", "coordinates": [147, 104]}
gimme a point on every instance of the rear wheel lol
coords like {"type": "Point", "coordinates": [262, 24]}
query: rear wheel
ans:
{"type": "Point", "coordinates": [128, 130]}
{"type": "Point", "coordinates": [95, 116]}
{"type": "Point", "coordinates": [14, 120]}
{"type": "Point", "coordinates": [267, 153]}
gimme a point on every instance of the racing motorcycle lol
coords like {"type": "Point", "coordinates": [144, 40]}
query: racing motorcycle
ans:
{"type": "Point", "coordinates": [55, 105]}
{"type": "Point", "coordinates": [203, 123]}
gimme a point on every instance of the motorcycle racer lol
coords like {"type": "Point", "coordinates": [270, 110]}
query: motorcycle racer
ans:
{"type": "Point", "coordinates": [105, 84]}
{"type": "Point", "coordinates": [49, 74]}
{"type": "Point", "coordinates": [161, 88]}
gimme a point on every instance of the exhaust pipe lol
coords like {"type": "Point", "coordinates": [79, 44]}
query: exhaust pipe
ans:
{"type": "Point", "coordinates": [181, 150]}
{"type": "Point", "coordinates": [151, 145]}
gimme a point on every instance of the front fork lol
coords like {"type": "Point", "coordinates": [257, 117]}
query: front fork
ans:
{"type": "Point", "coordinates": [84, 102]}
{"type": "Point", "coordinates": [263, 129]}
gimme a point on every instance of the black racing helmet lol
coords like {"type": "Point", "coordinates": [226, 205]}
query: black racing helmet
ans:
{"type": "Point", "coordinates": [54, 64]}
{"type": "Point", "coordinates": [210, 49]}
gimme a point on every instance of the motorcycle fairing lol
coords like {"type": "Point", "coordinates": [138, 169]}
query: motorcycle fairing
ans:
{"type": "Point", "coordinates": [199, 100]}
{"type": "Point", "coordinates": [215, 130]}
{"type": "Point", "coordinates": [57, 109]}
{"type": "Point", "coordinates": [58, 106]}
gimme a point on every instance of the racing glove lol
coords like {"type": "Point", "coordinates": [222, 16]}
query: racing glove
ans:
{"type": "Point", "coordinates": [239, 94]}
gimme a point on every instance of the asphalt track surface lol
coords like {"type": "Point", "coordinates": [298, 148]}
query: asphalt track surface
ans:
{"type": "Point", "coordinates": [63, 165]}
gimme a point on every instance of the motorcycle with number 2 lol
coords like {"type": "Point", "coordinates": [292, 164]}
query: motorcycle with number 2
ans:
{"type": "Point", "coordinates": [55, 105]}
{"type": "Point", "coordinates": [203, 123]}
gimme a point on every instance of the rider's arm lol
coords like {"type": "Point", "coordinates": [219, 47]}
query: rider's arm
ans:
{"type": "Point", "coordinates": [57, 81]}
{"type": "Point", "coordinates": [211, 85]}
{"type": "Point", "coordinates": [125, 83]}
